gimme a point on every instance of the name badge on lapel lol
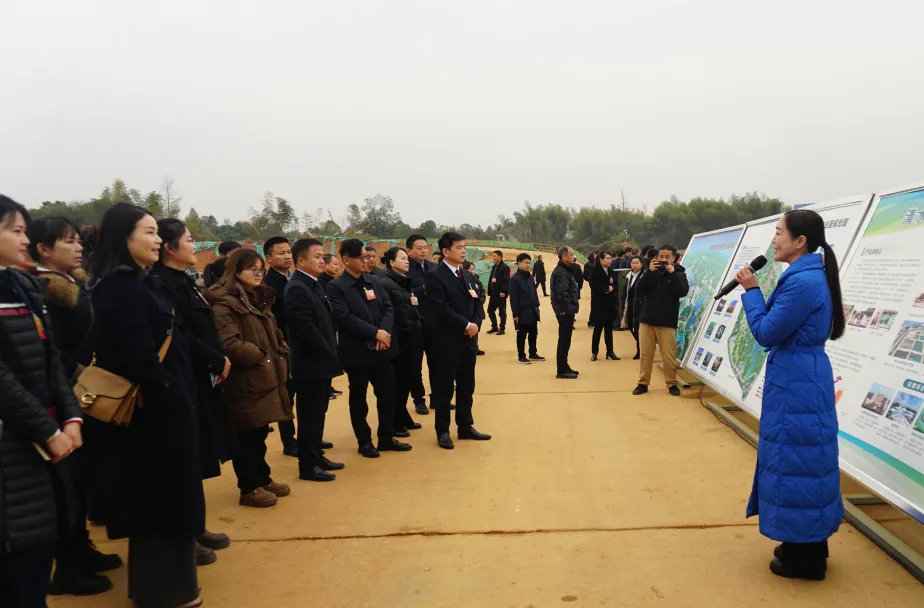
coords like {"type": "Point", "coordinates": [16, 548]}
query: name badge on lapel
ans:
{"type": "Point", "coordinates": [494, 280]}
{"type": "Point", "coordinates": [473, 293]}
{"type": "Point", "coordinates": [611, 281]}
{"type": "Point", "coordinates": [414, 301]}
{"type": "Point", "coordinates": [370, 294]}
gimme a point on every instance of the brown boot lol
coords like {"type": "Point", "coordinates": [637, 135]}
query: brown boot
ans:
{"type": "Point", "coordinates": [278, 488]}
{"type": "Point", "coordinates": [259, 498]}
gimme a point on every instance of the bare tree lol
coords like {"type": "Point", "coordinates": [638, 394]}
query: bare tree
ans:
{"type": "Point", "coordinates": [171, 202]}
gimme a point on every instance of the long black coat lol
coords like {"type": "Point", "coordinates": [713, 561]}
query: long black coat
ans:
{"type": "Point", "coordinates": [524, 301]}
{"type": "Point", "coordinates": [417, 272]}
{"type": "Point", "coordinates": [539, 271]}
{"type": "Point", "coordinates": [153, 473]}
{"type": "Point", "coordinates": [449, 307]}
{"type": "Point", "coordinates": [194, 320]}
{"type": "Point", "coordinates": [31, 381]}
{"type": "Point", "coordinates": [312, 338]}
{"type": "Point", "coordinates": [602, 300]}
{"type": "Point", "coordinates": [633, 301]}
{"type": "Point", "coordinates": [358, 319]}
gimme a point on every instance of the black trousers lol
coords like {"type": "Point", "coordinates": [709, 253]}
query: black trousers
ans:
{"type": "Point", "coordinates": [634, 329]}
{"type": "Point", "coordinates": [24, 576]}
{"type": "Point", "coordinates": [407, 366]}
{"type": "Point", "coordinates": [382, 377]}
{"type": "Point", "coordinates": [497, 304]}
{"type": "Point", "coordinates": [287, 427]}
{"type": "Point", "coordinates": [418, 393]}
{"type": "Point", "coordinates": [542, 285]}
{"type": "Point", "coordinates": [565, 329]}
{"type": "Point", "coordinates": [250, 467]}
{"type": "Point", "coordinates": [607, 330]}
{"type": "Point", "coordinates": [452, 369]}
{"type": "Point", "coordinates": [314, 397]}
{"type": "Point", "coordinates": [69, 482]}
{"type": "Point", "coordinates": [524, 331]}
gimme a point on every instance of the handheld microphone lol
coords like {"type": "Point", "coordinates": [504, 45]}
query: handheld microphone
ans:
{"type": "Point", "coordinates": [755, 265]}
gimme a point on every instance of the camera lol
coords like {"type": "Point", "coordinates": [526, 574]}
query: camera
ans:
{"type": "Point", "coordinates": [663, 265]}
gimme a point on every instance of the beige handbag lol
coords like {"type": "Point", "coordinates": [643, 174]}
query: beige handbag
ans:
{"type": "Point", "coordinates": [108, 397]}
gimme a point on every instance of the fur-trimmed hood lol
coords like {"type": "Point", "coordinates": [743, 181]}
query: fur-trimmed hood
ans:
{"type": "Point", "coordinates": [61, 290]}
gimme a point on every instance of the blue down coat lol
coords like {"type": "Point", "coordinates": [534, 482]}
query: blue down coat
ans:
{"type": "Point", "coordinates": [797, 481]}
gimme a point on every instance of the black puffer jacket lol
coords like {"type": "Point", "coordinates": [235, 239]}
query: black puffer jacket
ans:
{"type": "Point", "coordinates": [661, 293]}
{"type": "Point", "coordinates": [35, 399]}
{"type": "Point", "coordinates": [407, 317]}
{"type": "Point", "coordinates": [564, 290]}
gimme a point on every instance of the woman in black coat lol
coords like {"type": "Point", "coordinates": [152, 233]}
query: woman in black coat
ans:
{"type": "Point", "coordinates": [602, 305]}
{"type": "Point", "coordinates": [154, 485]}
{"type": "Point", "coordinates": [210, 366]}
{"type": "Point", "coordinates": [397, 284]}
{"type": "Point", "coordinates": [39, 412]}
{"type": "Point", "coordinates": [633, 300]}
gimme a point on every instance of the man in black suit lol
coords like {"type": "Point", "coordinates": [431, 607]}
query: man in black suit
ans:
{"type": "Point", "coordinates": [452, 318]}
{"type": "Point", "coordinates": [539, 275]}
{"type": "Point", "coordinates": [498, 288]}
{"type": "Point", "coordinates": [482, 297]}
{"type": "Point", "coordinates": [365, 319]}
{"type": "Point", "coordinates": [524, 306]}
{"type": "Point", "coordinates": [566, 301]}
{"type": "Point", "coordinates": [315, 361]}
{"type": "Point", "coordinates": [418, 252]}
{"type": "Point", "coordinates": [278, 254]}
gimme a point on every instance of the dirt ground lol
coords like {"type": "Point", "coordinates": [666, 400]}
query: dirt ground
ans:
{"type": "Point", "coordinates": [586, 496]}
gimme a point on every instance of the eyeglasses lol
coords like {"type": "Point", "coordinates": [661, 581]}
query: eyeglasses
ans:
{"type": "Point", "coordinates": [257, 272]}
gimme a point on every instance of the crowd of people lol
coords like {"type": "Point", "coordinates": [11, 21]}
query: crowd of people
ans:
{"type": "Point", "coordinates": [210, 370]}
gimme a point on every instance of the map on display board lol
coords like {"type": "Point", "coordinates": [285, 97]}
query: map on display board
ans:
{"type": "Point", "coordinates": [879, 362]}
{"type": "Point", "coordinates": [705, 259]}
{"type": "Point", "coordinates": [725, 354]}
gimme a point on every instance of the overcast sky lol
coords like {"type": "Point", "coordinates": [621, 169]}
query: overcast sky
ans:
{"type": "Point", "coordinates": [459, 111]}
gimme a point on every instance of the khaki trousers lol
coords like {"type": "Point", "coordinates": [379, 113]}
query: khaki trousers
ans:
{"type": "Point", "coordinates": [666, 338]}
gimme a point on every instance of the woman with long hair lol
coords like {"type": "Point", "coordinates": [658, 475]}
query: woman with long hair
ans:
{"type": "Point", "coordinates": [602, 305]}
{"type": "Point", "coordinates": [210, 366]}
{"type": "Point", "coordinates": [154, 483]}
{"type": "Point", "coordinates": [397, 284]}
{"type": "Point", "coordinates": [796, 487]}
{"type": "Point", "coordinates": [256, 384]}
{"type": "Point", "coordinates": [56, 252]}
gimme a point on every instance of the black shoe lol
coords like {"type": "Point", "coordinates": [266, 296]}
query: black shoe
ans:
{"type": "Point", "coordinates": [493, 330]}
{"type": "Point", "coordinates": [674, 390]}
{"type": "Point", "coordinates": [213, 541]}
{"type": "Point", "coordinates": [536, 357]}
{"type": "Point", "coordinates": [96, 561]}
{"type": "Point", "coordinates": [205, 556]}
{"type": "Point", "coordinates": [291, 450]}
{"type": "Point", "coordinates": [78, 583]}
{"type": "Point", "coordinates": [593, 356]}
{"type": "Point", "coordinates": [567, 376]}
{"type": "Point", "coordinates": [331, 397]}
{"type": "Point", "coordinates": [421, 407]}
{"type": "Point", "coordinates": [574, 371]}
{"type": "Point", "coordinates": [480, 353]}
{"type": "Point", "coordinates": [612, 357]}
{"type": "Point", "coordinates": [589, 324]}
{"type": "Point", "coordinates": [501, 332]}
{"type": "Point", "coordinates": [636, 357]}
{"type": "Point", "coordinates": [472, 433]}
{"type": "Point", "coordinates": [414, 426]}
{"type": "Point", "coordinates": [641, 389]}
{"type": "Point", "coordinates": [327, 445]}
{"type": "Point", "coordinates": [402, 433]}
{"type": "Point", "coordinates": [523, 360]}
{"type": "Point", "coordinates": [316, 474]}
{"type": "Point", "coordinates": [330, 465]}
{"type": "Point", "coordinates": [445, 441]}
{"type": "Point", "coordinates": [394, 445]}
{"type": "Point", "coordinates": [807, 571]}
{"type": "Point", "coordinates": [368, 450]}
{"type": "Point", "coordinates": [334, 391]}
{"type": "Point", "coordinates": [452, 406]}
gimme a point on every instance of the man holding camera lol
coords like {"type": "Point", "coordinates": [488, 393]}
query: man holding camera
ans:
{"type": "Point", "coordinates": [660, 290]}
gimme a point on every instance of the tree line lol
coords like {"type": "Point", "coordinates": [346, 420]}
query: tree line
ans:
{"type": "Point", "coordinates": [586, 228]}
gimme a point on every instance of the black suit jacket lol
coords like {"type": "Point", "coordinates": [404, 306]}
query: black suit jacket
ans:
{"type": "Point", "coordinates": [449, 307]}
{"type": "Point", "coordinates": [499, 283]}
{"type": "Point", "coordinates": [311, 330]}
{"type": "Point", "coordinates": [358, 319]}
{"type": "Point", "coordinates": [524, 301]}
{"type": "Point", "coordinates": [417, 272]}
{"type": "Point", "coordinates": [278, 282]}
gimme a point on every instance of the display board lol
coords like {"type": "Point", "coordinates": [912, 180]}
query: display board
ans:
{"type": "Point", "coordinates": [724, 353]}
{"type": "Point", "coordinates": [706, 261]}
{"type": "Point", "coordinates": [879, 362]}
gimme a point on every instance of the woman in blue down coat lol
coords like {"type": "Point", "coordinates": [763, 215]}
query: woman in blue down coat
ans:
{"type": "Point", "coordinates": [797, 482]}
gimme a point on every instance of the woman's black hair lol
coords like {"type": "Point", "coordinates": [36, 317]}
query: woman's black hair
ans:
{"type": "Point", "coordinates": [10, 207]}
{"type": "Point", "coordinates": [170, 231]}
{"type": "Point", "coordinates": [807, 223]}
{"type": "Point", "coordinates": [47, 231]}
{"type": "Point", "coordinates": [111, 249]}
{"type": "Point", "coordinates": [391, 255]}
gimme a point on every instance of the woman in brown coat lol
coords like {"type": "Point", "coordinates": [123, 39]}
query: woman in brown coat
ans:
{"type": "Point", "coordinates": [256, 386]}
